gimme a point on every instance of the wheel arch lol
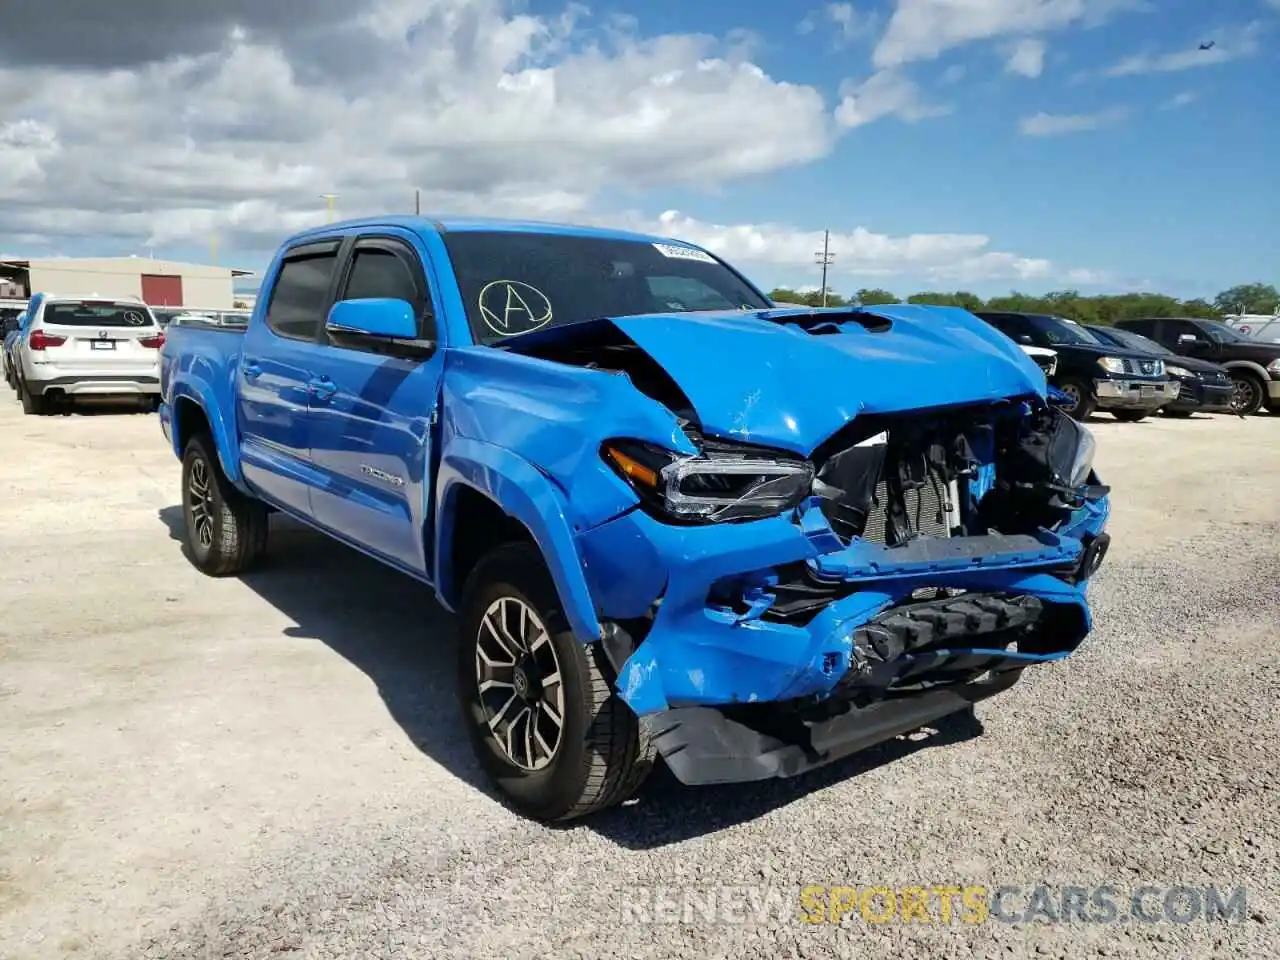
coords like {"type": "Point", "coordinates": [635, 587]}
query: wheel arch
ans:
{"type": "Point", "coordinates": [194, 414]}
{"type": "Point", "coordinates": [486, 495]}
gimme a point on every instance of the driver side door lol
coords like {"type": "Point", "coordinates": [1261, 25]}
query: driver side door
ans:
{"type": "Point", "coordinates": [374, 411]}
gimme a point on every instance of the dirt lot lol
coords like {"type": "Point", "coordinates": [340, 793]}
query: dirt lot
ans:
{"type": "Point", "coordinates": [271, 767]}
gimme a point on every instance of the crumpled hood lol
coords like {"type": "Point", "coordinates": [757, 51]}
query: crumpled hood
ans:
{"type": "Point", "coordinates": [785, 378]}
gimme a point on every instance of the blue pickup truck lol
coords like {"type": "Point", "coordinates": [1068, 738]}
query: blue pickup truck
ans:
{"type": "Point", "coordinates": [673, 518]}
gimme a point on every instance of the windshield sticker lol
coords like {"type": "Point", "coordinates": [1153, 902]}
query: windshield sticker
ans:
{"type": "Point", "coordinates": [675, 251]}
{"type": "Point", "coordinates": [510, 307]}
{"type": "Point", "coordinates": [134, 318]}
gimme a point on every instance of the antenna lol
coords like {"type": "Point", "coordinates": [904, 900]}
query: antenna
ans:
{"type": "Point", "coordinates": [825, 257]}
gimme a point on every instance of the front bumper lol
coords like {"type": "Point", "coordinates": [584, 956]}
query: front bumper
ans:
{"type": "Point", "coordinates": [1125, 394]}
{"type": "Point", "coordinates": [1273, 389]}
{"type": "Point", "coordinates": [1203, 397]}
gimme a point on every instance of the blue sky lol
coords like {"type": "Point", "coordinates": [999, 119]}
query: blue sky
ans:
{"type": "Point", "coordinates": [947, 144]}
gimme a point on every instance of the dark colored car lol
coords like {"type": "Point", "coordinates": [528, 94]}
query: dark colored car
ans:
{"type": "Point", "coordinates": [1254, 365]}
{"type": "Point", "coordinates": [1092, 374]}
{"type": "Point", "coordinates": [1203, 386]}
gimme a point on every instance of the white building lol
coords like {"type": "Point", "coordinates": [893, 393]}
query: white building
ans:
{"type": "Point", "coordinates": [160, 283]}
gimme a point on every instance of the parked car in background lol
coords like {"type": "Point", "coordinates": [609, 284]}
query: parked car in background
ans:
{"type": "Point", "coordinates": [10, 326]}
{"type": "Point", "coordinates": [673, 518]}
{"type": "Point", "coordinates": [1256, 326]}
{"type": "Point", "coordinates": [1203, 387]}
{"type": "Point", "coordinates": [212, 318]}
{"type": "Point", "coordinates": [72, 347]}
{"type": "Point", "coordinates": [1254, 365]}
{"type": "Point", "coordinates": [1090, 373]}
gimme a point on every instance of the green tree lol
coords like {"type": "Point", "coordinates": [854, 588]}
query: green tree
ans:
{"type": "Point", "coordinates": [1248, 298]}
{"type": "Point", "coordinates": [871, 297]}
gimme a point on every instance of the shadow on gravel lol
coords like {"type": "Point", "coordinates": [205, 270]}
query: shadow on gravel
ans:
{"type": "Point", "coordinates": [392, 629]}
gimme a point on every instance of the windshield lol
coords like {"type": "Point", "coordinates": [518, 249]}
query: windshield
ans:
{"type": "Point", "coordinates": [518, 282]}
{"type": "Point", "coordinates": [97, 313]}
{"type": "Point", "coordinates": [1221, 333]}
{"type": "Point", "coordinates": [1058, 330]}
{"type": "Point", "coordinates": [1135, 341]}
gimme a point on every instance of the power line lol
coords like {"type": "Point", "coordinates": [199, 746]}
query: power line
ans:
{"type": "Point", "coordinates": [825, 257]}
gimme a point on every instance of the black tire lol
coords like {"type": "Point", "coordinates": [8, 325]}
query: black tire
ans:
{"type": "Point", "coordinates": [1249, 393]}
{"type": "Point", "coordinates": [602, 755]}
{"type": "Point", "coordinates": [1085, 402]}
{"type": "Point", "coordinates": [226, 532]}
{"type": "Point", "coordinates": [32, 404]}
{"type": "Point", "coordinates": [1129, 416]}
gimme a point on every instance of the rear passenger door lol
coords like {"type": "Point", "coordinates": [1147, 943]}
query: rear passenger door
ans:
{"type": "Point", "coordinates": [273, 383]}
{"type": "Point", "coordinates": [371, 438]}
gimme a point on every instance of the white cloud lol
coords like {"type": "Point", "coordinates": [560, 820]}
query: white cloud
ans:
{"type": "Point", "coordinates": [848, 22]}
{"type": "Point", "coordinates": [484, 110]}
{"type": "Point", "coordinates": [1186, 98]}
{"type": "Point", "coordinates": [1053, 124]}
{"type": "Point", "coordinates": [923, 29]}
{"type": "Point", "coordinates": [1231, 44]}
{"type": "Point", "coordinates": [884, 94]}
{"type": "Point", "coordinates": [1026, 58]}
{"type": "Point", "coordinates": [940, 257]}
{"type": "Point", "coordinates": [953, 74]}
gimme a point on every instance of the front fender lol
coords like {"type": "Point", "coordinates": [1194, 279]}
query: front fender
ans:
{"type": "Point", "coordinates": [526, 494]}
{"type": "Point", "coordinates": [1251, 366]}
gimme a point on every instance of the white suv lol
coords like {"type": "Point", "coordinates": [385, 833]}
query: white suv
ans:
{"type": "Point", "coordinates": [87, 347]}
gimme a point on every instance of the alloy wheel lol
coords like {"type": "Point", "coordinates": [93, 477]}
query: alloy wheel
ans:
{"type": "Point", "coordinates": [200, 499]}
{"type": "Point", "coordinates": [1243, 394]}
{"type": "Point", "coordinates": [520, 685]}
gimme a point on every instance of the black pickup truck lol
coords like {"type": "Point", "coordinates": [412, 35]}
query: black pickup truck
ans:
{"type": "Point", "coordinates": [1204, 387]}
{"type": "Point", "coordinates": [1093, 374]}
{"type": "Point", "coordinates": [1254, 365]}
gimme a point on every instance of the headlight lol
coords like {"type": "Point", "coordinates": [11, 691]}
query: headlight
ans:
{"type": "Point", "coordinates": [1274, 367]}
{"type": "Point", "coordinates": [1068, 452]}
{"type": "Point", "coordinates": [1180, 372]}
{"type": "Point", "coordinates": [1160, 368]}
{"type": "Point", "coordinates": [1082, 462]}
{"type": "Point", "coordinates": [1111, 364]}
{"type": "Point", "coordinates": [718, 485]}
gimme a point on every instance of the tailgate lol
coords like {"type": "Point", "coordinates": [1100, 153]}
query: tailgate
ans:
{"type": "Point", "coordinates": [101, 336]}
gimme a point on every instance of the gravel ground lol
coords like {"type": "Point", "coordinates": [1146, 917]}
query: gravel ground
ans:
{"type": "Point", "coordinates": [272, 767]}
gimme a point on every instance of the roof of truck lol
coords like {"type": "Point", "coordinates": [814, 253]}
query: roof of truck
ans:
{"type": "Point", "coordinates": [460, 224]}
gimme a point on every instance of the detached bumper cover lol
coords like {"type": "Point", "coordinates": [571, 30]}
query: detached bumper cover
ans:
{"type": "Point", "coordinates": [698, 654]}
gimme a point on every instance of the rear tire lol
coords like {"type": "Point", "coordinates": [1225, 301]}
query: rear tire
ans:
{"type": "Point", "coordinates": [226, 532]}
{"type": "Point", "coordinates": [1129, 416]}
{"type": "Point", "coordinates": [510, 611]}
{"type": "Point", "coordinates": [32, 403]}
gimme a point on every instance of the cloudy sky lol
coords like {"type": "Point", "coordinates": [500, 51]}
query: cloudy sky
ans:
{"type": "Point", "coordinates": [984, 144]}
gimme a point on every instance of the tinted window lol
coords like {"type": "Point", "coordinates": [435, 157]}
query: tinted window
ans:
{"type": "Point", "coordinates": [301, 296]}
{"type": "Point", "coordinates": [1135, 341]}
{"type": "Point", "coordinates": [97, 314]}
{"type": "Point", "coordinates": [518, 282]}
{"type": "Point", "coordinates": [1057, 331]}
{"type": "Point", "coordinates": [381, 273]}
{"type": "Point", "coordinates": [1144, 327]}
{"type": "Point", "coordinates": [1221, 333]}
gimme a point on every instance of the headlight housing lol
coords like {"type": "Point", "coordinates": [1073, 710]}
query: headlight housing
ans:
{"type": "Point", "coordinates": [723, 483]}
{"type": "Point", "coordinates": [1181, 373]}
{"type": "Point", "coordinates": [1111, 364]}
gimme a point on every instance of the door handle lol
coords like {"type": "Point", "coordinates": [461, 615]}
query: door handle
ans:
{"type": "Point", "coordinates": [322, 388]}
{"type": "Point", "coordinates": [251, 370]}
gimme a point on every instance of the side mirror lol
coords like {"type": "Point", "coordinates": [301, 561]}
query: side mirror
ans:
{"type": "Point", "coordinates": [383, 317]}
{"type": "Point", "coordinates": [1026, 338]}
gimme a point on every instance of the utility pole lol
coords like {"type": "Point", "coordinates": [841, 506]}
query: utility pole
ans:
{"type": "Point", "coordinates": [330, 197]}
{"type": "Point", "coordinates": [825, 257]}
{"type": "Point", "coordinates": [417, 202]}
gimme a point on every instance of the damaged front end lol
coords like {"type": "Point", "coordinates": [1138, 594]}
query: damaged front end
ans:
{"type": "Point", "coordinates": [771, 612]}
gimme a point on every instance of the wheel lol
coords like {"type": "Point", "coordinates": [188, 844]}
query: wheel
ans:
{"type": "Point", "coordinates": [543, 718]}
{"type": "Point", "coordinates": [1247, 395]}
{"type": "Point", "coordinates": [226, 532]}
{"type": "Point", "coordinates": [1081, 396]}
{"type": "Point", "coordinates": [1129, 416]}
{"type": "Point", "coordinates": [34, 404]}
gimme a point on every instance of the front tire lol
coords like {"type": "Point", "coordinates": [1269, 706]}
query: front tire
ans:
{"type": "Point", "coordinates": [1081, 396]}
{"type": "Point", "coordinates": [538, 704]}
{"type": "Point", "coordinates": [226, 532]}
{"type": "Point", "coordinates": [1248, 393]}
